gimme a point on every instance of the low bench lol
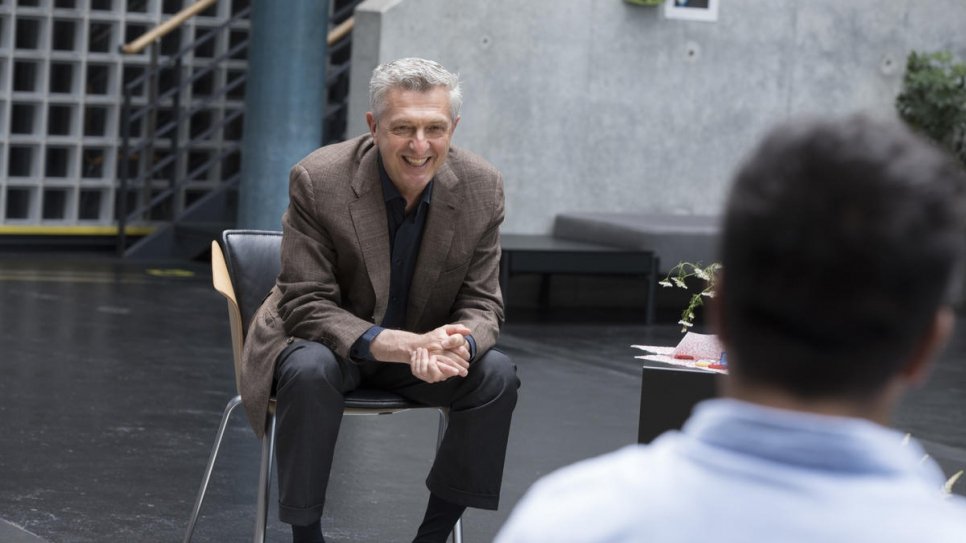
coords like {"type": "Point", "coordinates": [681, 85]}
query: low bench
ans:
{"type": "Point", "coordinates": [671, 238]}
{"type": "Point", "coordinates": [546, 255]}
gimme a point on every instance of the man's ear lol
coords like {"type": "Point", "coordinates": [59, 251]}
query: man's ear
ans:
{"type": "Point", "coordinates": [371, 121]}
{"type": "Point", "coordinates": [455, 122]}
{"type": "Point", "coordinates": [917, 368]}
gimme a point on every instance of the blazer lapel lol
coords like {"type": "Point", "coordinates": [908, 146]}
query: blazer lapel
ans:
{"type": "Point", "coordinates": [368, 213]}
{"type": "Point", "coordinates": [437, 238]}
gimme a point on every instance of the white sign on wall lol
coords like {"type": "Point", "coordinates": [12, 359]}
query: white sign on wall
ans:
{"type": "Point", "coordinates": [693, 10]}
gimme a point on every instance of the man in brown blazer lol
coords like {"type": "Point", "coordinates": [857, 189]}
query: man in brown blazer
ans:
{"type": "Point", "coordinates": [389, 279]}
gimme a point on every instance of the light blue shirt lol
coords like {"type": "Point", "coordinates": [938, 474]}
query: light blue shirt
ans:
{"type": "Point", "coordinates": [740, 472]}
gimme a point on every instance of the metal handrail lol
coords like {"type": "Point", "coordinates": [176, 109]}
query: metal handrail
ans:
{"type": "Point", "coordinates": [163, 29]}
{"type": "Point", "coordinates": [144, 148]}
{"type": "Point", "coordinates": [341, 31]}
{"type": "Point", "coordinates": [206, 37]}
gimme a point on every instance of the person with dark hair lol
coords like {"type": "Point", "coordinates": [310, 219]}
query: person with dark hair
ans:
{"type": "Point", "coordinates": [390, 280]}
{"type": "Point", "coordinates": [842, 249]}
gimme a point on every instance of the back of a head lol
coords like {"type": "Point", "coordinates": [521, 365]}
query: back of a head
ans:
{"type": "Point", "coordinates": [842, 238]}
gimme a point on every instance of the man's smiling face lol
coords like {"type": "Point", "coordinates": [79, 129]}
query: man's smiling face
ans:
{"type": "Point", "coordinates": [413, 134]}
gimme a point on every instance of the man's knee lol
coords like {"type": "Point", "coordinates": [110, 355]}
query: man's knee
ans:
{"type": "Point", "coordinates": [497, 373]}
{"type": "Point", "coordinates": [308, 363]}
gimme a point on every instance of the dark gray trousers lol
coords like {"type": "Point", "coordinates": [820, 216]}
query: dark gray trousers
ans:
{"type": "Point", "coordinates": [310, 382]}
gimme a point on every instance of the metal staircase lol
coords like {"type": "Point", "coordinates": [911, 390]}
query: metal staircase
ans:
{"type": "Point", "coordinates": [181, 152]}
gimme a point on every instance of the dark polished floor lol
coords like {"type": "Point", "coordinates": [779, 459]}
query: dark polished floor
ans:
{"type": "Point", "coordinates": [115, 376]}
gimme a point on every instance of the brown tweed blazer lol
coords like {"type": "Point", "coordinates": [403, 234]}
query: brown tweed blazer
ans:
{"type": "Point", "coordinates": [334, 280]}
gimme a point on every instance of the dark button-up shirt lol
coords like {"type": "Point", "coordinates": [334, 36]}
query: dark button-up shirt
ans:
{"type": "Point", "coordinates": [405, 239]}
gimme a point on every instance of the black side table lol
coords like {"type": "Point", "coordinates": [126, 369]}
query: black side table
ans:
{"type": "Point", "coordinates": [668, 394]}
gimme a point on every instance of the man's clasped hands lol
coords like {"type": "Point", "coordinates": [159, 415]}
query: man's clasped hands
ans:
{"type": "Point", "coordinates": [433, 356]}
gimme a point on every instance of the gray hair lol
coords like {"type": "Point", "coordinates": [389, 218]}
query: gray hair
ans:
{"type": "Point", "coordinates": [412, 74]}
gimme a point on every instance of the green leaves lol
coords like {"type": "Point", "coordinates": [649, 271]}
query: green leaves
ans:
{"type": "Point", "coordinates": [678, 276]}
{"type": "Point", "coordinates": [933, 99]}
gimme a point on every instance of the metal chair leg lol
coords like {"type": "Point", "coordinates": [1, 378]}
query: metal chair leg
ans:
{"type": "Point", "coordinates": [265, 480]}
{"type": "Point", "coordinates": [265, 473]}
{"type": "Point", "coordinates": [232, 404]}
{"type": "Point", "coordinates": [443, 423]}
{"type": "Point", "coordinates": [458, 531]}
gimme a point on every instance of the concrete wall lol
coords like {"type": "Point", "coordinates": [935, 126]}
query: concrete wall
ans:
{"type": "Point", "coordinates": [598, 105]}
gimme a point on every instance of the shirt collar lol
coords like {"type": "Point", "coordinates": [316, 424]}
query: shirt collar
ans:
{"type": "Point", "coordinates": [390, 192]}
{"type": "Point", "coordinates": [806, 440]}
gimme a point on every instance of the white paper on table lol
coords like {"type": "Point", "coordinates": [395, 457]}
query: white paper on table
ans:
{"type": "Point", "coordinates": [703, 348]}
{"type": "Point", "coordinates": [699, 347]}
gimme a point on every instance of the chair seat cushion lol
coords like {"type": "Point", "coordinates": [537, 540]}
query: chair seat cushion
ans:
{"type": "Point", "coordinates": [371, 399]}
{"type": "Point", "coordinates": [364, 398]}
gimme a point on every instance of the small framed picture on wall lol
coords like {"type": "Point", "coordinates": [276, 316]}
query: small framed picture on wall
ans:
{"type": "Point", "coordinates": [694, 10]}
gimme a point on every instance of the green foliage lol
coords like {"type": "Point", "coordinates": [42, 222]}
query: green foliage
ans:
{"type": "Point", "coordinates": [933, 99]}
{"type": "Point", "coordinates": [678, 277]}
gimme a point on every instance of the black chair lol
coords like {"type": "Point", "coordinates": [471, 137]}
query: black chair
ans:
{"type": "Point", "coordinates": [243, 274]}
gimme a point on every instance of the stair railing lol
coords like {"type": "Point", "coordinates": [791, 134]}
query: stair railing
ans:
{"type": "Point", "coordinates": [166, 204]}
